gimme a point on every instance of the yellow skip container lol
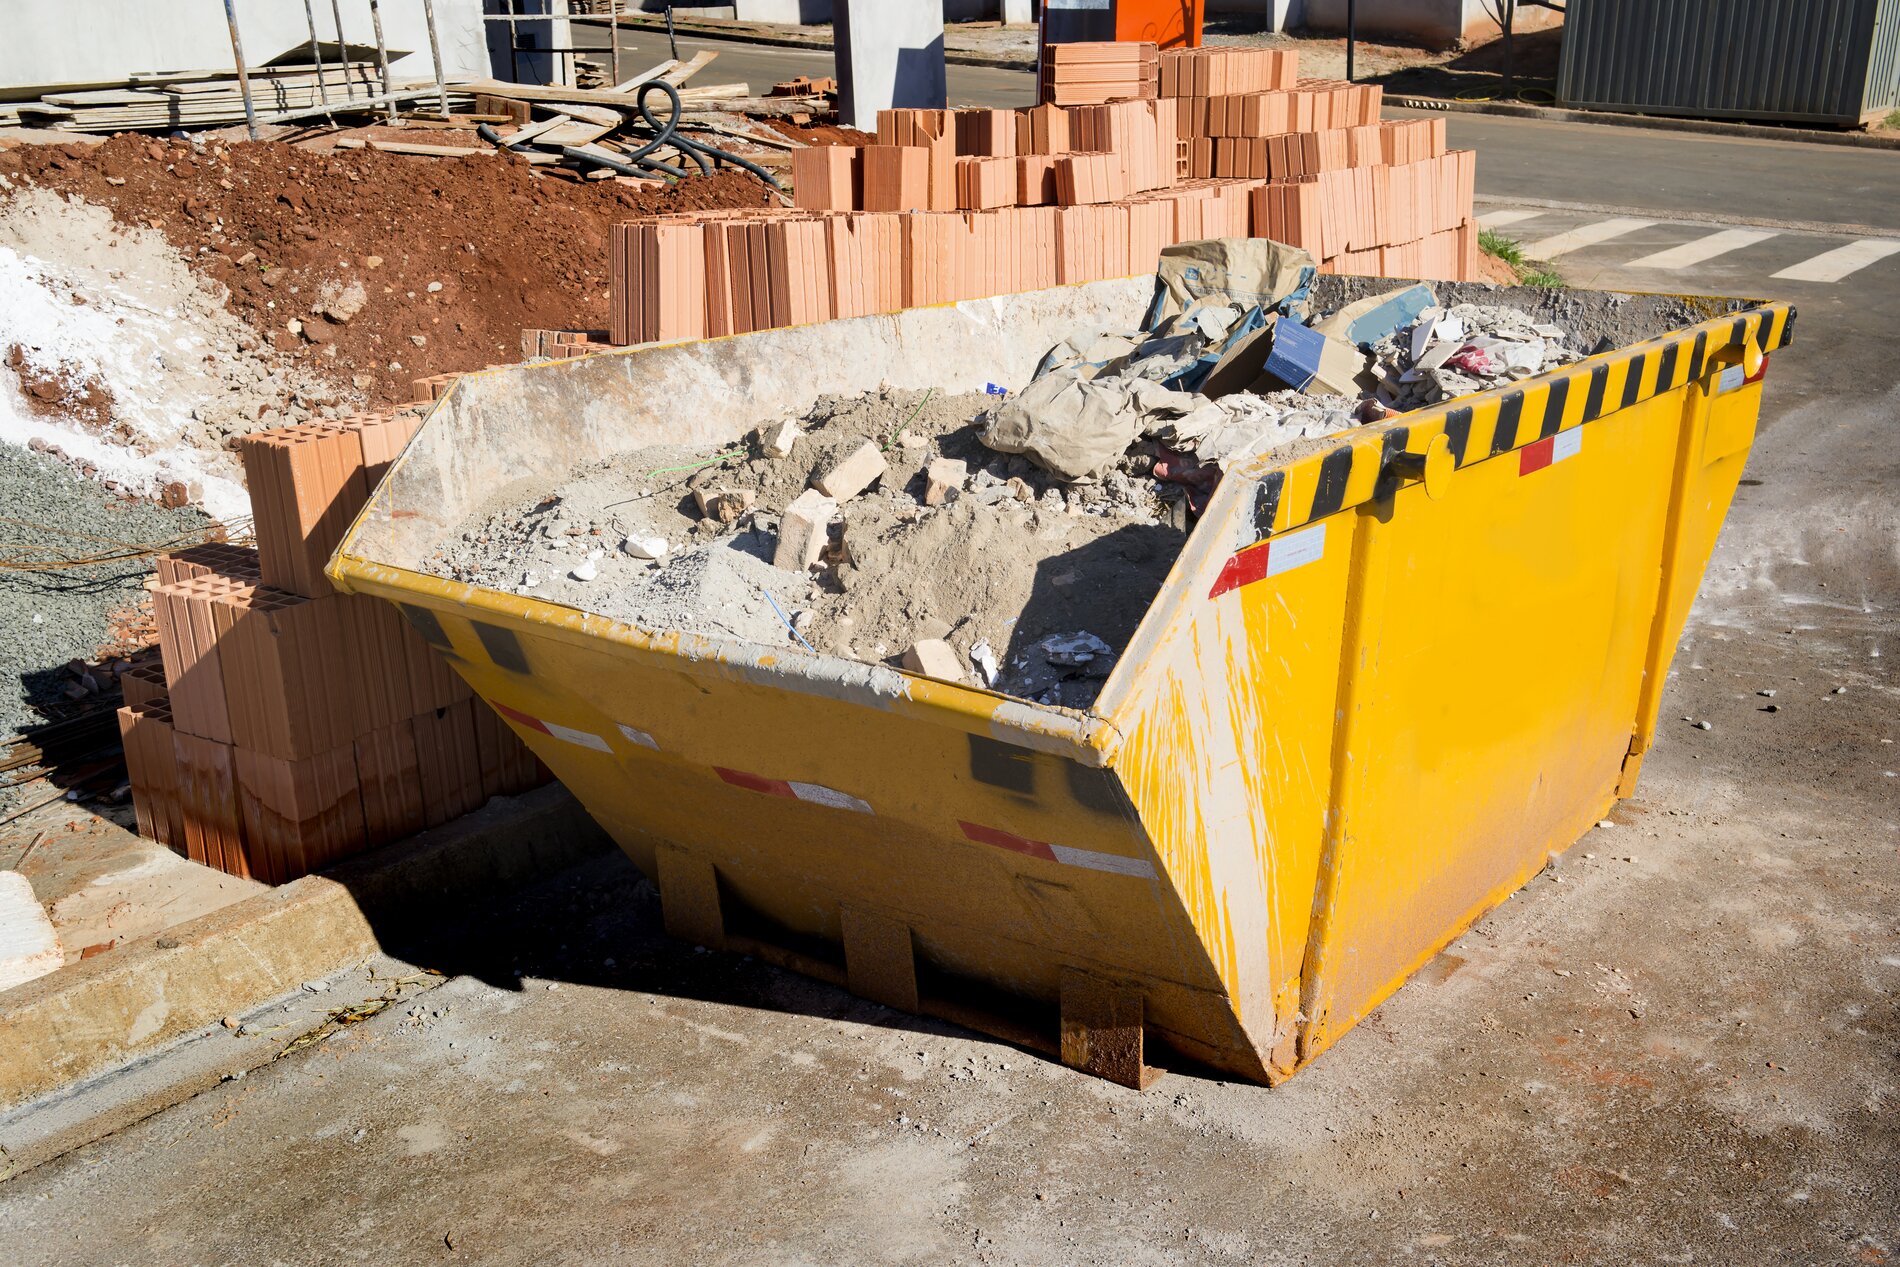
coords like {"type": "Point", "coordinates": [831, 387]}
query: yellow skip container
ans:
{"type": "Point", "coordinates": [1383, 683]}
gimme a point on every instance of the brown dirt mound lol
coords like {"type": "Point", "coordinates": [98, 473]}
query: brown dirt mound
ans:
{"type": "Point", "coordinates": [821, 133]}
{"type": "Point", "coordinates": [287, 230]}
{"type": "Point", "coordinates": [87, 401]}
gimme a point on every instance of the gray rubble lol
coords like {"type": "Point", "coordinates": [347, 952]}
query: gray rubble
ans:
{"type": "Point", "coordinates": [1468, 348]}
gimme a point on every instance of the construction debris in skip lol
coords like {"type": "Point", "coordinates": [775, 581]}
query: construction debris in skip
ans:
{"type": "Point", "coordinates": [1005, 540]}
{"type": "Point", "coordinates": [866, 528]}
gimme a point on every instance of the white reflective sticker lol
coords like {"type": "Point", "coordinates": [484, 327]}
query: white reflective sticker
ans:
{"type": "Point", "coordinates": [1295, 549]}
{"type": "Point", "coordinates": [1566, 444]}
{"type": "Point", "coordinates": [1103, 861]}
{"type": "Point", "coordinates": [1730, 379]}
{"type": "Point", "coordinates": [822, 795]}
{"type": "Point", "coordinates": [581, 737]}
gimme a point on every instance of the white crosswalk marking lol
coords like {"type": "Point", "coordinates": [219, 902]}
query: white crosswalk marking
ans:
{"type": "Point", "coordinates": [1703, 249]}
{"type": "Point", "coordinates": [1589, 235]}
{"type": "Point", "coordinates": [1831, 266]}
{"type": "Point", "coordinates": [1498, 219]}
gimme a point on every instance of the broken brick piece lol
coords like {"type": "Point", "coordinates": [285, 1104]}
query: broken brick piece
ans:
{"type": "Point", "coordinates": [853, 475]}
{"type": "Point", "coordinates": [804, 530]}
{"type": "Point", "coordinates": [933, 657]}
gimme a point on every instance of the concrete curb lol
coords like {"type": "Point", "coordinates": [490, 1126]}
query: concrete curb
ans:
{"type": "Point", "coordinates": [94, 1016]}
{"type": "Point", "coordinates": [1648, 122]}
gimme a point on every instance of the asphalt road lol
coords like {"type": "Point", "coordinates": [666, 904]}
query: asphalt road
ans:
{"type": "Point", "coordinates": [1678, 1045]}
{"type": "Point", "coordinates": [762, 66]}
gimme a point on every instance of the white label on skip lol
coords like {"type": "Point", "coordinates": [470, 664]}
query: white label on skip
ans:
{"type": "Point", "coordinates": [1295, 549]}
{"type": "Point", "coordinates": [1730, 379]}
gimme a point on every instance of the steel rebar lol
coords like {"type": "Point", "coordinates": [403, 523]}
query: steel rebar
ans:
{"type": "Point", "coordinates": [316, 56]}
{"type": "Point", "coordinates": [243, 76]}
{"type": "Point", "coordinates": [382, 54]}
{"type": "Point", "coordinates": [435, 52]}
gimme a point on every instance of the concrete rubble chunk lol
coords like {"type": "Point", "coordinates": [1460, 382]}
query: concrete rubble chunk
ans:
{"type": "Point", "coordinates": [853, 475]}
{"type": "Point", "coordinates": [805, 530]}
{"type": "Point", "coordinates": [933, 657]}
{"type": "Point", "coordinates": [588, 568]}
{"type": "Point", "coordinates": [29, 944]}
{"type": "Point", "coordinates": [984, 658]}
{"type": "Point", "coordinates": [724, 505]}
{"type": "Point", "coordinates": [942, 475]}
{"type": "Point", "coordinates": [777, 441]}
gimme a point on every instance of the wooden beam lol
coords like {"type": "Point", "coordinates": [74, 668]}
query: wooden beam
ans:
{"type": "Point", "coordinates": [427, 150]}
{"type": "Point", "coordinates": [684, 71]}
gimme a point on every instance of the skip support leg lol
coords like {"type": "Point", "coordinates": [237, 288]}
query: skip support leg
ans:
{"type": "Point", "coordinates": [1101, 1030]}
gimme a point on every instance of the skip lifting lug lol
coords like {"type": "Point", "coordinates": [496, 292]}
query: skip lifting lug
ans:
{"type": "Point", "coordinates": [1432, 468]}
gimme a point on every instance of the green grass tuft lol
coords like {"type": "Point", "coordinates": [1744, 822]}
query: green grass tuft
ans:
{"type": "Point", "coordinates": [1491, 242]}
{"type": "Point", "coordinates": [1529, 273]}
{"type": "Point", "coordinates": [1892, 120]}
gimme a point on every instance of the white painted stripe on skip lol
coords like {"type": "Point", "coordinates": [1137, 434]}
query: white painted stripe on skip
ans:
{"type": "Point", "coordinates": [1589, 235]}
{"type": "Point", "coordinates": [819, 794]}
{"type": "Point", "coordinates": [1498, 219]}
{"type": "Point", "coordinates": [1702, 249]}
{"type": "Point", "coordinates": [1110, 862]}
{"type": "Point", "coordinates": [585, 739]}
{"type": "Point", "coordinates": [1832, 266]}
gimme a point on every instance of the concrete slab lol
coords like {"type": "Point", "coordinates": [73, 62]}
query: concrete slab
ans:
{"type": "Point", "coordinates": [29, 947]}
{"type": "Point", "coordinates": [151, 991]}
{"type": "Point", "coordinates": [103, 884]}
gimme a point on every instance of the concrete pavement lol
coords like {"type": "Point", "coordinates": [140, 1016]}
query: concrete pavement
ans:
{"type": "Point", "coordinates": [1678, 1044]}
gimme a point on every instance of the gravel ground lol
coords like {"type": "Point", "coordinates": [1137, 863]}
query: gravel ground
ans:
{"type": "Point", "coordinates": [49, 618]}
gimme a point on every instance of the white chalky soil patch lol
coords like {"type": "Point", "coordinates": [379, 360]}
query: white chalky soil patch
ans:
{"type": "Point", "coordinates": [85, 301]}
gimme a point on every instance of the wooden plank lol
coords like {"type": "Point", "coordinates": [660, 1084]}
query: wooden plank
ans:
{"type": "Point", "coordinates": [202, 112]}
{"type": "Point", "coordinates": [157, 77]}
{"type": "Point", "coordinates": [654, 72]}
{"type": "Point", "coordinates": [685, 71]}
{"type": "Point", "coordinates": [529, 131]}
{"type": "Point", "coordinates": [604, 96]}
{"type": "Point", "coordinates": [193, 92]}
{"type": "Point", "coordinates": [411, 147]}
{"type": "Point", "coordinates": [574, 132]}
{"type": "Point", "coordinates": [595, 114]}
{"type": "Point", "coordinates": [774, 140]}
{"type": "Point", "coordinates": [714, 90]}
{"type": "Point", "coordinates": [433, 151]}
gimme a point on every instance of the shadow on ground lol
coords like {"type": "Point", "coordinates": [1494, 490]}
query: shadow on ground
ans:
{"type": "Point", "coordinates": [1477, 74]}
{"type": "Point", "coordinates": [598, 923]}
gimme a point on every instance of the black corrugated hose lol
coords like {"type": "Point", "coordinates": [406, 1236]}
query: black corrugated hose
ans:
{"type": "Point", "coordinates": [705, 156]}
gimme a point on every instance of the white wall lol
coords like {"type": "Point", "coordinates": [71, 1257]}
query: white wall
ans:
{"type": "Point", "coordinates": [102, 41]}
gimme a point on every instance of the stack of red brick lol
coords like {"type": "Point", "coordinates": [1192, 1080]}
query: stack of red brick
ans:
{"type": "Point", "coordinates": [560, 344]}
{"type": "Point", "coordinates": [1219, 72]}
{"type": "Point", "coordinates": [292, 725]}
{"type": "Point", "coordinates": [1093, 73]}
{"type": "Point", "coordinates": [959, 204]}
{"type": "Point", "coordinates": [696, 276]}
